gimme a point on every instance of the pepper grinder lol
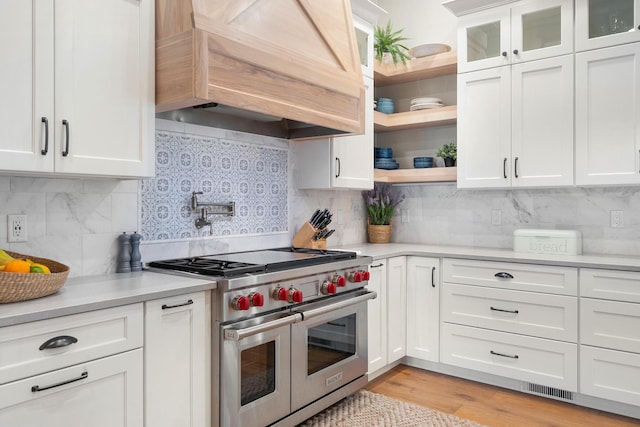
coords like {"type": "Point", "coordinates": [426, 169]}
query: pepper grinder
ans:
{"type": "Point", "coordinates": [124, 253]}
{"type": "Point", "coordinates": [136, 264]}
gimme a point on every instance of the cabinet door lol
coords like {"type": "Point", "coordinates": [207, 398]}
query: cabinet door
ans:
{"type": "Point", "coordinates": [423, 308]}
{"type": "Point", "coordinates": [602, 23]}
{"type": "Point", "coordinates": [542, 122]}
{"type": "Point", "coordinates": [352, 159]}
{"type": "Point", "coordinates": [26, 106]}
{"type": "Point", "coordinates": [608, 115]}
{"type": "Point", "coordinates": [104, 79]}
{"type": "Point", "coordinates": [541, 29]}
{"type": "Point", "coordinates": [483, 40]}
{"type": "Point", "coordinates": [104, 393]}
{"type": "Point", "coordinates": [396, 308]}
{"type": "Point", "coordinates": [609, 374]}
{"type": "Point", "coordinates": [377, 317]}
{"type": "Point", "coordinates": [177, 361]}
{"type": "Point", "coordinates": [484, 128]}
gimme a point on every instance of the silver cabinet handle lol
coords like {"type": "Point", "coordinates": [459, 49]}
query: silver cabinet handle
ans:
{"type": "Point", "coordinates": [166, 307]}
{"type": "Point", "coordinates": [57, 342]}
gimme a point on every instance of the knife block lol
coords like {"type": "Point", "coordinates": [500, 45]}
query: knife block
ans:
{"type": "Point", "coordinates": [304, 238]}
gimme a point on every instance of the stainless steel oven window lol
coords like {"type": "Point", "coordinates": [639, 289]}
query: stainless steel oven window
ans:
{"type": "Point", "coordinates": [331, 342]}
{"type": "Point", "coordinates": [257, 372]}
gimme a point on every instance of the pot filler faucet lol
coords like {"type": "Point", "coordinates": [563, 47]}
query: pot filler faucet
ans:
{"type": "Point", "coordinates": [207, 208]}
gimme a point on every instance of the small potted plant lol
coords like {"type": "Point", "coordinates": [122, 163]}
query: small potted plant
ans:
{"type": "Point", "coordinates": [381, 203]}
{"type": "Point", "coordinates": [449, 153]}
{"type": "Point", "coordinates": [387, 42]}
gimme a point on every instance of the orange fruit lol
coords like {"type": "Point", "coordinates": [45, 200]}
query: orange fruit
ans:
{"type": "Point", "coordinates": [17, 266]}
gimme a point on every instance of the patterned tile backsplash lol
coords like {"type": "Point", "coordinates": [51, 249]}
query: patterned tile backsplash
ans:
{"type": "Point", "coordinates": [253, 176]}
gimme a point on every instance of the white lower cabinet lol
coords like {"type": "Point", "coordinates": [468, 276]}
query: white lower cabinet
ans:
{"type": "Point", "coordinates": [536, 360]}
{"type": "Point", "coordinates": [610, 374]}
{"type": "Point", "coordinates": [514, 320]}
{"type": "Point", "coordinates": [102, 393]}
{"type": "Point", "coordinates": [610, 335]}
{"type": "Point", "coordinates": [396, 308]}
{"type": "Point", "coordinates": [177, 361]}
{"type": "Point", "coordinates": [386, 314]}
{"type": "Point", "coordinates": [377, 316]}
{"type": "Point", "coordinates": [423, 308]}
{"type": "Point", "coordinates": [74, 371]}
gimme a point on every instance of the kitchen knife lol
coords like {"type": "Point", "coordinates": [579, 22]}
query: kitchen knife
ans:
{"type": "Point", "coordinates": [315, 218]}
{"type": "Point", "coordinates": [329, 233]}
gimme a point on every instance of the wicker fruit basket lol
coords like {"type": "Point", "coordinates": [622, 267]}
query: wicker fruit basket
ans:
{"type": "Point", "coordinates": [25, 286]}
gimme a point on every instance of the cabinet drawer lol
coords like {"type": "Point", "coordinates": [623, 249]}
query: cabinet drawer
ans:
{"type": "Point", "coordinates": [98, 333]}
{"type": "Point", "coordinates": [102, 393]}
{"type": "Point", "coordinates": [536, 360]}
{"type": "Point", "coordinates": [610, 324]}
{"type": "Point", "coordinates": [507, 275]}
{"type": "Point", "coordinates": [610, 374]}
{"type": "Point", "coordinates": [527, 313]}
{"type": "Point", "coordinates": [610, 284]}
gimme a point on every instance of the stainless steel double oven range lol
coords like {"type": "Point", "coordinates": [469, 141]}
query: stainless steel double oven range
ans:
{"type": "Point", "coordinates": [290, 333]}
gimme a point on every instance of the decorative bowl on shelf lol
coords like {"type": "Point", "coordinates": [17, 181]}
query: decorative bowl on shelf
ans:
{"type": "Point", "coordinates": [422, 162]}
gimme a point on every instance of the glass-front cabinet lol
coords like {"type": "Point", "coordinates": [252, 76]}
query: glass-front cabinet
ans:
{"type": "Point", "coordinates": [523, 31]}
{"type": "Point", "coordinates": [602, 23]}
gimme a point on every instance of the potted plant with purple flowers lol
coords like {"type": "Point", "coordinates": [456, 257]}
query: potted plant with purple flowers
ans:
{"type": "Point", "coordinates": [381, 203]}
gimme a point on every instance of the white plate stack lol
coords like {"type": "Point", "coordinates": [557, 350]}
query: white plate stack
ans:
{"type": "Point", "coordinates": [424, 103]}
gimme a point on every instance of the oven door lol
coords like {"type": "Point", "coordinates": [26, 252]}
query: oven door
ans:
{"type": "Point", "coordinates": [329, 347]}
{"type": "Point", "coordinates": [254, 370]}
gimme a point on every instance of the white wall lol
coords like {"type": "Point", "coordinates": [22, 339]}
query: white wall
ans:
{"type": "Point", "coordinates": [423, 21]}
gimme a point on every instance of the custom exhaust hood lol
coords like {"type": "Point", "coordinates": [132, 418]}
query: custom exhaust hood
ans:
{"type": "Point", "coordinates": [284, 68]}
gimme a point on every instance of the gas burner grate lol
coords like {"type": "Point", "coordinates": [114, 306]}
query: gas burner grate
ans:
{"type": "Point", "coordinates": [209, 267]}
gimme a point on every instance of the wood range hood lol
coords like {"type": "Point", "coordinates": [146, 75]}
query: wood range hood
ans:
{"type": "Point", "coordinates": [284, 68]}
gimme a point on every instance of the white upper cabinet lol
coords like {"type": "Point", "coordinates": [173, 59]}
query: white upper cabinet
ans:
{"type": "Point", "coordinates": [523, 31]}
{"type": "Point", "coordinates": [79, 98]}
{"type": "Point", "coordinates": [608, 115]}
{"type": "Point", "coordinates": [515, 125]}
{"type": "Point", "coordinates": [602, 23]}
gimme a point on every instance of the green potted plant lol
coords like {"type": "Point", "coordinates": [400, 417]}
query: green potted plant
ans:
{"type": "Point", "coordinates": [449, 153]}
{"type": "Point", "coordinates": [381, 203]}
{"type": "Point", "coordinates": [386, 40]}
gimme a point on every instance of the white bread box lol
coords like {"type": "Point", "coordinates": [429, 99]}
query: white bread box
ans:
{"type": "Point", "coordinates": [561, 242]}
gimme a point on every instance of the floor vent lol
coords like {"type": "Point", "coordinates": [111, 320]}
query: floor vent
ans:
{"type": "Point", "coordinates": [549, 391]}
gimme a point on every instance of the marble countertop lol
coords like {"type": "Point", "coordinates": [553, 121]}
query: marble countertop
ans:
{"type": "Point", "coordinates": [80, 294]}
{"type": "Point", "coordinates": [379, 251]}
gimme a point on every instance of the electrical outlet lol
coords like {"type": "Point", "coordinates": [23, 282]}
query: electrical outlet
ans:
{"type": "Point", "coordinates": [496, 217]}
{"type": "Point", "coordinates": [16, 228]}
{"type": "Point", "coordinates": [405, 215]}
{"type": "Point", "coordinates": [617, 219]}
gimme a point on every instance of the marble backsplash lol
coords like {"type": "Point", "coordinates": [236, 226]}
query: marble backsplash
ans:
{"type": "Point", "coordinates": [442, 214]}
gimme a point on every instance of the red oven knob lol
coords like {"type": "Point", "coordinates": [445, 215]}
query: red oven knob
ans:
{"type": "Point", "coordinates": [256, 299]}
{"type": "Point", "coordinates": [281, 294]}
{"type": "Point", "coordinates": [329, 288]}
{"type": "Point", "coordinates": [340, 280]}
{"type": "Point", "coordinates": [296, 296]}
{"type": "Point", "coordinates": [355, 276]}
{"type": "Point", "coordinates": [366, 276]}
{"type": "Point", "coordinates": [240, 303]}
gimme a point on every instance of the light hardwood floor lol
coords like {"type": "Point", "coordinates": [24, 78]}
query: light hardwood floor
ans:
{"type": "Point", "coordinates": [489, 405]}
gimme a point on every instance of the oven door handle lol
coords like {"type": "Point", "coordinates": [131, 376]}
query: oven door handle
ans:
{"type": "Point", "coordinates": [240, 334]}
{"type": "Point", "coordinates": [337, 306]}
